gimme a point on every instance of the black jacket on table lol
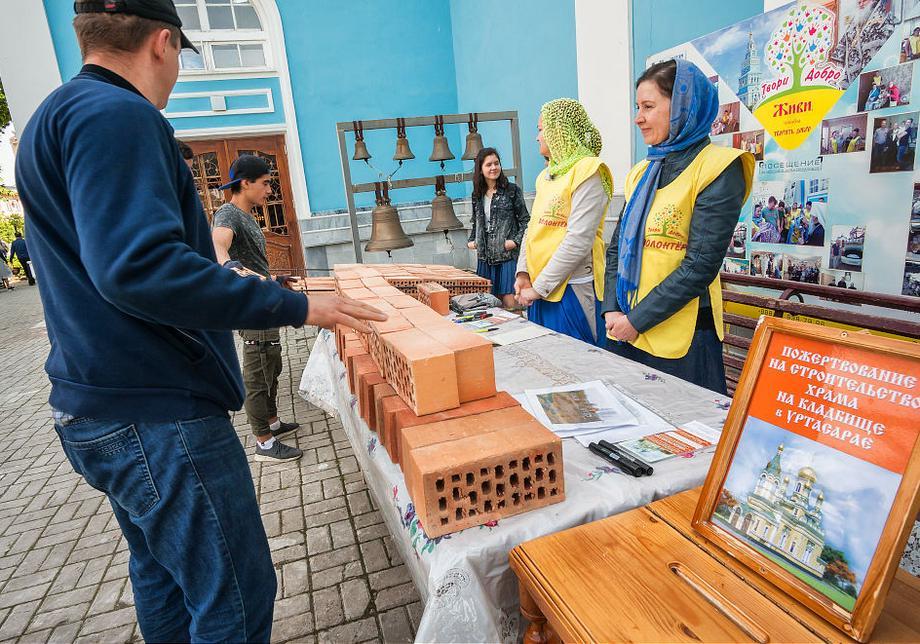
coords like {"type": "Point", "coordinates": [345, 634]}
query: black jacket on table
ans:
{"type": "Point", "coordinates": [715, 215]}
{"type": "Point", "coordinates": [508, 219]}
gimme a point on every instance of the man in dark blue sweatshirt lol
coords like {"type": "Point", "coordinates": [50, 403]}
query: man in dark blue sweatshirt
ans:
{"type": "Point", "coordinates": [20, 250]}
{"type": "Point", "coordinates": [142, 363]}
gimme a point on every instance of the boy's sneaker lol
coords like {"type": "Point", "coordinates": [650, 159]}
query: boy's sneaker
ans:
{"type": "Point", "coordinates": [277, 453]}
{"type": "Point", "coordinates": [285, 428]}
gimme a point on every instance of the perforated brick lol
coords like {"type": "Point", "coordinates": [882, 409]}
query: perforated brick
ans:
{"type": "Point", "coordinates": [423, 316]}
{"type": "Point", "coordinates": [357, 365]}
{"type": "Point", "coordinates": [402, 301]}
{"type": "Point", "coordinates": [389, 409]}
{"type": "Point", "coordinates": [366, 383]}
{"type": "Point", "coordinates": [399, 416]}
{"type": "Point", "coordinates": [421, 370]}
{"type": "Point", "coordinates": [499, 464]}
{"type": "Point", "coordinates": [380, 392]}
{"type": "Point", "coordinates": [360, 293]}
{"type": "Point", "coordinates": [474, 358]}
{"type": "Point", "coordinates": [434, 296]}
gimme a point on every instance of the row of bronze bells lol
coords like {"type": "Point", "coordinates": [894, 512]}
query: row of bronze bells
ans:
{"type": "Point", "coordinates": [440, 150]}
{"type": "Point", "coordinates": [387, 233]}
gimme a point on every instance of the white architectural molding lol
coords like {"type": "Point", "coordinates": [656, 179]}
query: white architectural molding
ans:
{"type": "Point", "coordinates": [205, 133]}
{"type": "Point", "coordinates": [28, 62]}
{"type": "Point", "coordinates": [266, 92]}
{"type": "Point", "coordinates": [603, 37]}
{"type": "Point", "coordinates": [271, 23]}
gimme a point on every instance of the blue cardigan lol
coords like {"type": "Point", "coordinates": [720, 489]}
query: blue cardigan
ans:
{"type": "Point", "coordinates": [139, 314]}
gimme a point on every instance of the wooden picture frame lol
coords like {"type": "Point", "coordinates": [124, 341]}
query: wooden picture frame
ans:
{"type": "Point", "coordinates": [772, 554]}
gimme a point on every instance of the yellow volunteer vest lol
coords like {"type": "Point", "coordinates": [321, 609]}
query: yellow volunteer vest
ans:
{"type": "Point", "coordinates": [667, 230]}
{"type": "Point", "coordinates": [549, 222]}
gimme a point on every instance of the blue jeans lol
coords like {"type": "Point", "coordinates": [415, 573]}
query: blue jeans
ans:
{"type": "Point", "coordinates": [182, 493]}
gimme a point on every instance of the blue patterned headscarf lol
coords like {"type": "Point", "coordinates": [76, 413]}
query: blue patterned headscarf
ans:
{"type": "Point", "coordinates": [694, 106]}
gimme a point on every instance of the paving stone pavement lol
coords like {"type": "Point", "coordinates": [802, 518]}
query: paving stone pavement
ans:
{"type": "Point", "coordinates": [64, 563]}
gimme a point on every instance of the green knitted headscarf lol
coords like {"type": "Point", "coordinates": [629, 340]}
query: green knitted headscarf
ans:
{"type": "Point", "coordinates": [570, 136]}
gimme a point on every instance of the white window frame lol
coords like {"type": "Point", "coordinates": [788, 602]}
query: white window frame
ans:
{"type": "Point", "coordinates": [204, 38]}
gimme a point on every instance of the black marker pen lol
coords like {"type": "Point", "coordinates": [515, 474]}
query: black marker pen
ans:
{"type": "Point", "coordinates": [615, 459]}
{"type": "Point", "coordinates": [640, 465]}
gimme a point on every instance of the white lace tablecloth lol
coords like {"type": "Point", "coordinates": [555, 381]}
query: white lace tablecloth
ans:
{"type": "Point", "coordinates": [470, 593]}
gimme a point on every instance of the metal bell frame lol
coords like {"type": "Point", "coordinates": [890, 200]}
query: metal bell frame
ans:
{"type": "Point", "coordinates": [400, 125]}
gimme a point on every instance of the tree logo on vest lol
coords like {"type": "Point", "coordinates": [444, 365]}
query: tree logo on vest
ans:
{"type": "Point", "coordinates": [552, 215]}
{"type": "Point", "coordinates": [664, 230]}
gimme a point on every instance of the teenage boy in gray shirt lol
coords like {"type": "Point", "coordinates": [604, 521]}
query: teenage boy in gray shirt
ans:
{"type": "Point", "coordinates": [238, 240]}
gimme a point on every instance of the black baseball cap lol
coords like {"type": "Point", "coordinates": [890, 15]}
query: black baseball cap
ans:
{"type": "Point", "coordinates": [249, 167]}
{"type": "Point", "coordinates": [162, 10]}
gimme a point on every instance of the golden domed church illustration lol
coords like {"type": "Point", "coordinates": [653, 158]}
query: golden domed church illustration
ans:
{"type": "Point", "coordinates": [786, 523]}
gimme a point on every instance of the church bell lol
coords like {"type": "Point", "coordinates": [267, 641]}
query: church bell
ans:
{"type": "Point", "coordinates": [403, 153]}
{"type": "Point", "coordinates": [386, 231]}
{"type": "Point", "coordinates": [442, 210]}
{"type": "Point", "coordinates": [440, 151]}
{"type": "Point", "coordinates": [361, 153]}
{"type": "Point", "coordinates": [473, 139]}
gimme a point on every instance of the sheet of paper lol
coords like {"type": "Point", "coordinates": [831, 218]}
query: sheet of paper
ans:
{"type": "Point", "coordinates": [690, 437]}
{"type": "Point", "coordinates": [571, 410]}
{"type": "Point", "coordinates": [647, 422]}
{"type": "Point", "coordinates": [519, 334]}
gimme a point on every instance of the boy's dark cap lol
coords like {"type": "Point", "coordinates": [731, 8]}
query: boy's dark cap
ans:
{"type": "Point", "coordinates": [249, 167]}
{"type": "Point", "coordinates": [162, 10]}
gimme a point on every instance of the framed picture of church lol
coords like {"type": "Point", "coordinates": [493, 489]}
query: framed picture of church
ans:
{"type": "Point", "coordinates": [815, 481]}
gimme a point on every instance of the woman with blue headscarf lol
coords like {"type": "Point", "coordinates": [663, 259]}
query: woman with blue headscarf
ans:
{"type": "Point", "coordinates": [662, 296]}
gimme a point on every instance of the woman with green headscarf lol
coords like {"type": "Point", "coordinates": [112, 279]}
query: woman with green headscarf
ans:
{"type": "Point", "coordinates": [560, 271]}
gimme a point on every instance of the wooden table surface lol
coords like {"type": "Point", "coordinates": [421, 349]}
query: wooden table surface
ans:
{"type": "Point", "coordinates": [644, 575]}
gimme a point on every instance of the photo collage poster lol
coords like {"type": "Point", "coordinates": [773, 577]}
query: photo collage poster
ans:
{"type": "Point", "coordinates": [825, 95]}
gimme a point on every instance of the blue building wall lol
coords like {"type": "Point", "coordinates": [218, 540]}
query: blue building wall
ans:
{"type": "Point", "coordinates": [367, 59]}
{"type": "Point", "coordinates": [364, 59]}
{"type": "Point", "coordinates": [515, 57]}
{"type": "Point", "coordinates": [660, 24]}
{"type": "Point", "coordinates": [60, 23]}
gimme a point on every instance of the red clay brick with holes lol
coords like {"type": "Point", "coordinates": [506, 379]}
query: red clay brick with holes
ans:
{"type": "Point", "coordinates": [485, 476]}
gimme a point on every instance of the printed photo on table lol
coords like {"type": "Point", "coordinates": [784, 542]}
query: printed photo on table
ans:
{"type": "Point", "coordinates": [843, 279]}
{"type": "Point", "coordinates": [815, 511]}
{"type": "Point", "coordinates": [844, 134]}
{"type": "Point", "coordinates": [911, 284]}
{"type": "Point", "coordinates": [727, 120]}
{"type": "Point", "coordinates": [569, 407]}
{"type": "Point", "coordinates": [735, 266]}
{"type": "Point", "coordinates": [889, 87]}
{"type": "Point", "coordinates": [749, 142]}
{"type": "Point", "coordinates": [738, 243]}
{"type": "Point", "coordinates": [764, 264]}
{"type": "Point", "coordinates": [790, 212]}
{"type": "Point", "coordinates": [894, 139]}
{"type": "Point", "coordinates": [846, 250]}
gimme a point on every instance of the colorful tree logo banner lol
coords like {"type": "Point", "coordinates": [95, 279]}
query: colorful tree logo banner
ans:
{"type": "Point", "coordinates": [805, 86]}
{"type": "Point", "coordinates": [797, 61]}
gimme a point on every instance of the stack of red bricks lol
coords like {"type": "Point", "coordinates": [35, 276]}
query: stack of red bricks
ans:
{"type": "Point", "coordinates": [469, 453]}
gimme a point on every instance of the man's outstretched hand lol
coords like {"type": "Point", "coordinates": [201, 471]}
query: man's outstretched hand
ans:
{"type": "Point", "coordinates": [326, 311]}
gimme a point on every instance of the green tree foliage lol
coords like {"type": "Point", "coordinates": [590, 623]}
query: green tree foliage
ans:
{"type": "Point", "coordinates": [727, 503]}
{"type": "Point", "coordinates": [9, 226]}
{"type": "Point", "coordinates": [837, 570]}
{"type": "Point", "coordinates": [5, 116]}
